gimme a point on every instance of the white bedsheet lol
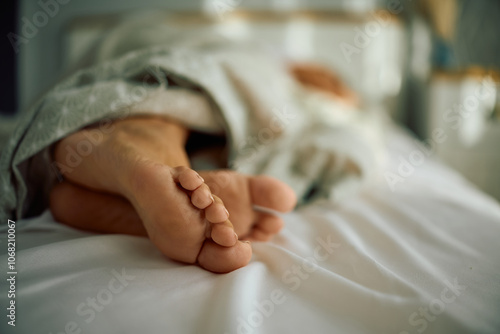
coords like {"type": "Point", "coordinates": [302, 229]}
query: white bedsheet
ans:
{"type": "Point", "coordinates": [424, 258]}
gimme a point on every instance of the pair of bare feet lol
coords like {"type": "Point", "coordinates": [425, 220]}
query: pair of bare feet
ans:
{"type": "Point", "coordinates": [137, 181]}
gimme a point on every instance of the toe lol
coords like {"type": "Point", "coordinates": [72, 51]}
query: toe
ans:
{"type": "Point", "coordinates": [266, 227]}
{"type": "Point", "coordinates": [223, 234]}
{"type": "Point", "coordinates": [187, 178]}
{"type": "Point", "coordinates": [257, 234]}
{"type": "Point", "coordinates": [202, 197]}
{"type": "Point", "coordinates": [219, 259]}
{"type": "Point", "coordinates": [269, 223]}
{"type": "Point", "coordinates": [216, 212]}
{"type": "Point", "coordinates": [271, 193]}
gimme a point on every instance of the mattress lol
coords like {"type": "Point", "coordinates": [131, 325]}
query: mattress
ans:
{"type": "Point", "coordinates": [415, 255]}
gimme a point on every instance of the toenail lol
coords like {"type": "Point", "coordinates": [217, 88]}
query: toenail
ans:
{"type": "Point", "coordinates": [212, 197]}
{"type": "Point", "coordinates": [235, 236]}
{"type": "Point", "coordinates": [227, 212]}
{"type": "Point", "coordinates": [246, 241]}
{"type": "Point", "coordinates": [199, 176]}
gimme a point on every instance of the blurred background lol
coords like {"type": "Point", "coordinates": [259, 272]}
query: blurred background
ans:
{"type": "Point", "coordinates": [421, 61]}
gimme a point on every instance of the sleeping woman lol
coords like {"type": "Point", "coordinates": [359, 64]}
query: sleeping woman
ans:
{"type": "Point", "coordinates": [141, 143]}
{"type": "Point", "coordinates": [138, 181]}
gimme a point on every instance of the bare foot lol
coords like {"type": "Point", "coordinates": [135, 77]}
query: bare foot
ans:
{"type": "Point", "coordinates": [184, 220]}
{"type": "Point", "coordinates": [179, 214]}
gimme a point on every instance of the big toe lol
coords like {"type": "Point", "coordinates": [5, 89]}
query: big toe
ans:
{"type": "Point", "coordinates": [271, 193]}
{"type": "Point", "coordinates": [220, 259]}
{"type": "Point", "coordinates": [266, 227]}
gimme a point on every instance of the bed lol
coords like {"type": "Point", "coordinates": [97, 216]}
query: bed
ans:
{"type": "Point", "coordinates": [421, 258]}
{"type": "Point", "coordinates": [415, 255]}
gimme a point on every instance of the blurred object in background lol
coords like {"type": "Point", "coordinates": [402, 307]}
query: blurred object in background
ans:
{"type": "Point", "coordinates": [463, 105]}
{"type": "Point", "coordinates": [453, 51]}
{"type": "Point", "coordinates": [464, 88]}
{"type": "Point", "coordinates": [466, 32]}
{"type": "Point", "coordinates": [443, 17]}
{"type": "Point", "coordinates": [476, 41]}
{"type": "Point", "coordinates": [462, 33]}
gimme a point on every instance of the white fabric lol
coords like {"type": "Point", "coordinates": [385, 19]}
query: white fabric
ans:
{"type": "Point", "coordinates": [393, 255]}
{"type": "Point", "coordinates": [176, 102]}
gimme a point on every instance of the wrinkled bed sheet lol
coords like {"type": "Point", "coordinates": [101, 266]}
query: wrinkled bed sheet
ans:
{"type": "Point", "coordinates": [421, 258]}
